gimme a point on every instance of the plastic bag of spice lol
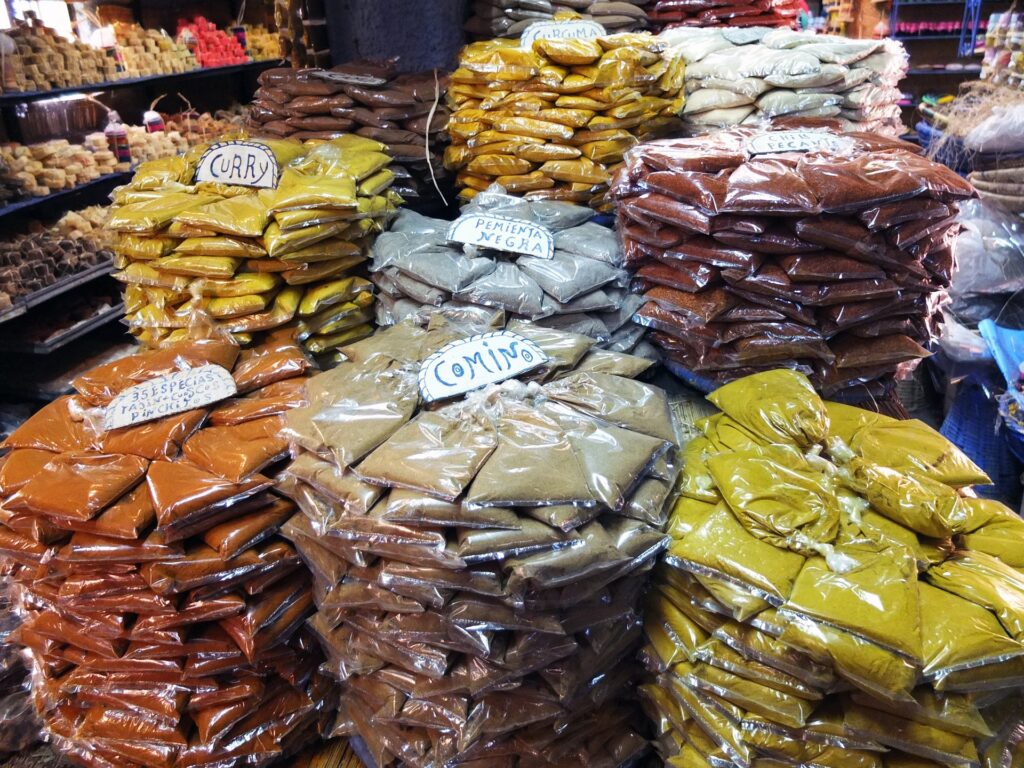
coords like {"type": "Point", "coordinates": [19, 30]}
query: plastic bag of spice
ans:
{"type": "Point", "coordinates": [239, 247]}
{"type": "Point", "coordinates": [106, 585]}
{"type": "Point", "coordinates": [909, 643]}
{"type": "Point", "coordinates": [472, 588]}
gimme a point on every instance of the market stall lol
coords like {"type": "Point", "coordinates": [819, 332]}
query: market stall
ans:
{"type": "Point", "coordinates": [545, 405]}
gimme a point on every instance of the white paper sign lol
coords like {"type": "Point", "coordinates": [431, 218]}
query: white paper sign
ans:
{"type": "Point", "coordinates": [239, 163]}
{"type": "Point", "coordinates": [168, 395]}
{"type": "Point", "coordinates": [503, 234]}
{"type": "Point", "coordinates": [776, 142]}
{"type": "Point", "coordinates": [561, 30]}
{"type": "Point", "coordinates": [349, 78]}
{"type": "Point", "coordinates": [469, 364]}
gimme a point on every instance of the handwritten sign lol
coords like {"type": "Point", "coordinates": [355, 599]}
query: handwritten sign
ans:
{"type": "Point", "coordinates": [168, 395]}
{"type": "Point", "coordinates": [778, 142]}
{"type": "Point", "coordinates": [469, 364]}
{"type": "Point", "coordinates": [561, 30]}
{"type": "Point", "coordinates": [349, 78]}
{"type": "Point", "coordinates": [239, 163]}
{"type": "Point", "coordinates": [503, 234]}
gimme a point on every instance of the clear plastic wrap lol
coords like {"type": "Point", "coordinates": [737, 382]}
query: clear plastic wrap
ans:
{"type": "Point", "coordinates": [886, 636]}
{"type": "Point", "coordinates": [847, 229]}
{"type": "Point", "coordinates": [162, 619]}
{"type": "Point", "coordinates": [576, 105]}
{"type": "Point", "coordinates": [500, 547]}
{"type": "Point", "coordinates": [240, 245]}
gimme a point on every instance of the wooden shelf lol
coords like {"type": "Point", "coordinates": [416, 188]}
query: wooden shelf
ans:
{"type": "Point", "coordinates": [7, 99]}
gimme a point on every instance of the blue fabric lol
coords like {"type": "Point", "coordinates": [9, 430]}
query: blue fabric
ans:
{"type": "Point", "coordinates": [976, 426]}
{"type": "Point", "coordinates": [1007, 346]}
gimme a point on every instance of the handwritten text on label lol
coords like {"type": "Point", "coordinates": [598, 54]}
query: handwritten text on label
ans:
{"type": "Point", "coordinates": [502, 234]}
{"type": "Point", "coordinates": [469, 364]}
{"type": "Point", "coordinates": [561, 30]}
{"type": "Point", "coordinates": [239, 163]}
{"type": "Point", "coordinates": [797, 141]}
{"type": "Point", "coordinates": [168, 395]}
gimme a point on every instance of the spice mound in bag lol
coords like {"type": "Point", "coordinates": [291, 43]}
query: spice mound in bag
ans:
{"type": "Point", "coordinates": [793, 78]}
{"type": "Point", "coordinates": [511, 18]}
{"type": "Point", "coordinates": [257, 260]}
{"type": "Point", "coordinates": [758, 249]}
{"type": "Point", "coordinates": [163, 612]}
{"type": "Point", "coordinates": [794, 618]}
{"type": "Point", "coordinates": [404, 112]}
{"type": "Point", "coordinates": [478, 554]}
{"type": "Point", "coordinates": [554, 121]}
{"type": "Point", "coordinates": [752, 17]}
{"type": "Point", "coordinates": [581, 289]}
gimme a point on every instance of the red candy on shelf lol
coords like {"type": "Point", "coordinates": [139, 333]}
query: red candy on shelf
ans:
{"type": "Point", "coordinates": [212, 47]}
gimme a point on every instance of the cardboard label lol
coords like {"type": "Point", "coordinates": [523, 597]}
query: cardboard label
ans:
{"type": "Point", "coordinates": [469, 364]}
{"type": "Point", "coordinates": [239, 163]}
{"type": "Point", "coordinates": [777, 142]}
{"type": "Point", "coordinates": [561, 30]}
{"type": "Point", "coordinates": [503, 234]}
{"type": "Point", "coordinates": [349, 78]}
{"type": "Point", "coordinates": [168, 395]}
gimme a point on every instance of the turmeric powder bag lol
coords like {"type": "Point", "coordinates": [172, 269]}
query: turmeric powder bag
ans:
{"type": "Point", "coordinates": [253, 253]}
{"type": "Point", "coordinates": [538, 102]}
{"type": "Point", "coordinates": [817, 614]}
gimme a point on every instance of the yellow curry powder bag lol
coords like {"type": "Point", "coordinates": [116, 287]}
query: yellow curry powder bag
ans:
{"type": "Point", "coordinates": [255, 259]}
{"type": "Point", "coordinates": [554, 122]}
{"type": "Point", "coordinates": [833, 590]}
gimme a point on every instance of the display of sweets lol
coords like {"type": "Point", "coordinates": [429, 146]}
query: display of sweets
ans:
{"type": "Point", "coordinates": [98, 143]}
{"type": "Point", "coordinates": [44, 60]}
{"type": "Point", "coordinates": [823, 252]}
{"type": "Point", "coordinates": [255, 259]}
{"type": "Point", "coordinates": [546, 262]}
{"type": "Point", "coordinates": [262, 44]}
{"type": "Point", "coordinates": [146, 145]}
{"type": "Point", "coordinates": [211, 46]}
{"type": "Point", "coordinates": [478, 556]}
{"type": "Point", "coordinates": [199, 128]}
{"type": "Point", "coordinates": [510, 18]}
{"type": "Point", "coordinates": [162, 612]}
{"type": "Point", "coordinates": [552, 123]}
{"type": "Point", "coordinates": [85, 222]}
{"type": "Point", "coordinates": [754, 75]}
{"type": "Point", "coordinates": [36, 260]}
{"type": "Point", "coordinates": [146, 52]}
{"type": "Point", "coordinates": [50, 166]}
{"type": "Point", "coordinates": [834, 594]}
{"type": "Point", "coordinates": [719, 13]}
{"type": "Point", "coordinates": [401, 111]}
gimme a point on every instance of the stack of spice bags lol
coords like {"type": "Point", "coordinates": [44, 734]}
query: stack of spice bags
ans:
{"type": "Point", "coordinates": [510, 18]}
{"type": "Point", "coordinates": [719, 13]}
{"type": "Point", "coordinates": [748, 76]}
{"type": "Point", "coordinates": [477, 559]}
{"type": "Point", "coordinates": [254, 259]}
{"type": "Point", "coordinates": [805, 249]}
{"type": "Point", "coordinates": [163, 613]}
{"type": "Point", "coordinates": [833, 594]}
{"type": "Point", "coordinates": [579, 286]}
{"type": "Point", "coordinates": [554, 121]}
{"type": "Point", "coordinates": [402, 111]}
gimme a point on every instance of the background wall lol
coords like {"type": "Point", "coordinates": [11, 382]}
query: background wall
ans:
{"type": "Point", "coordinates": [422, 34]}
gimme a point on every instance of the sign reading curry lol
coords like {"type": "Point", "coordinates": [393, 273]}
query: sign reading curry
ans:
{"type": "Point", "coordinates": [239, 163]}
